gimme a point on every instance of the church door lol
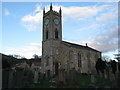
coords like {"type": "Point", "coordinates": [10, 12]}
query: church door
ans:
{"type": "Point", "coordinates": [56, 68]}
{"type": "Point", "coordinates": [48, 73]}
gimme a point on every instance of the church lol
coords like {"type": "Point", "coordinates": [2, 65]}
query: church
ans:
{"type": "Point", "coordinates": [60, 55]}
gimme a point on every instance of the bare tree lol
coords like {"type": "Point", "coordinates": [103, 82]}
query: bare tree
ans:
{"type": "Point", "coordinates": [106, 58]}
{"type": "Point", "coordinates": [117, 56]}
{"type": "Point", "coordinates": [35, 56]}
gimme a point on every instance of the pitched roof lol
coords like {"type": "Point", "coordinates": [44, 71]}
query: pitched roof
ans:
{"type": "Point", "coordinates": [78, 46]}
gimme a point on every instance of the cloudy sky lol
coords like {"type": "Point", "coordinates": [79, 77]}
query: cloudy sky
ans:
{"type": "Point", "coordinates": [83, 22]}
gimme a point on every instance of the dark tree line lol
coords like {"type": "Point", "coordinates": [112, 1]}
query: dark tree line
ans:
{"type": "Point", "coordinates": [101, 66]}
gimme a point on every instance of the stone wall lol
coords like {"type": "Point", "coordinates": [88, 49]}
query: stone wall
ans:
{"type": "Point", "coordinates": [67, 58]}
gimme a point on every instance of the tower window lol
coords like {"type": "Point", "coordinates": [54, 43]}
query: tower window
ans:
{"type": "Point", "coordinates": [46, 34]}
{"type": "Point", "coordinates": [56, 34]}
{"type": "Point", "coordinates": [47, 61]}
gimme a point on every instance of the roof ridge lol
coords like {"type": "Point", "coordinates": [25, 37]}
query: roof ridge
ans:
{"type": "Point", "coordinates": [73, 43]}
{"type": "Point", "coordinates": [78, 45]}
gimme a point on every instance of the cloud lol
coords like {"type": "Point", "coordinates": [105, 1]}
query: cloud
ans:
{"type": "Point", "coordinates": [89, 27]}
{"type": "Point", "coordinates": [80, 13]}
{"type": "Point", "coordinates": [105, 38]}
{"type": "Point", "coordinates": [107, 17]}
{"type": "Point", "coordinates": [33, 20]}
{"type": "Point", "coordinates": [104, 42]}
{"type": "Point", "coordinates": [7, 12]}
{"type": "Point", "coordinates": [27, 51]}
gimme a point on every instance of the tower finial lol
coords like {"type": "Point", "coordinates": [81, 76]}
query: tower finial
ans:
{"type": "Point", "coordinates": [86, 45]}
{"type": "Point", "coordinates": [60, 11]}
{"type": "Point", "coordinates": [51, 6]}
{"type": "Point", "coordinates": [60, 8]}
{"type": "Point", "coordinates": [44, 10]}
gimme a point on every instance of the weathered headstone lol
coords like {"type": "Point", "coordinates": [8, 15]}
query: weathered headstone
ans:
{"type": "Point", "coordinates": [92, 78]}
{"type": "Point", "coordinates": [105, 74]}
{"type": "Point", "coordinates": [101, 74]}
{"type": "Point", "coordinates": [118, 80]}
{"type": "Point", "coordinates": [11, 79]}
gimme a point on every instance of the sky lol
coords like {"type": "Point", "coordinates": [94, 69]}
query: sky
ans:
{"type": "Point", "coordinates": [94, 23]}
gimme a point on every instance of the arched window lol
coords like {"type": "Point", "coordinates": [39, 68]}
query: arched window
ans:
{"type": "Point", "coordinates": [79, 60]}
{"type": "Point", "coordinates": [47, 34]}
{"type": "Point", "coordinates": [56, 34]}
{"type": "Point", "coordinates": [88, 59]}
{"type": "Point", "coordinates": [47, 61]}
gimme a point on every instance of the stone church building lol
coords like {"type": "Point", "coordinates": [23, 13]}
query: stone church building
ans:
{"type": "Point", "coordinates": [60, 55]}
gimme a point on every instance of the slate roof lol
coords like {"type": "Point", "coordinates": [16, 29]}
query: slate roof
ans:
{"type": "Point", "coordinates": [78, 46]}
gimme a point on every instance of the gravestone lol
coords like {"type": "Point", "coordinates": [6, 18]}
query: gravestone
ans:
{"type": "Point", "coordinates": [19, 78]}
{"type": "Point", "coordinates": [92, 78]}
{"type": "Point", "coordinates": [93, 71]}
{"type": "Point", "coordinates": [105, 75]}
{"type": "Point", "coordinates": [11, 79]}
{"type": "Point", "coordinates": [108, 72]}
{"type": "Point", "coordinates": [101, 74]}
{"type": "Point", "coordinates": [118, 80]}
{"type": "Point", "coordinates": [72, 76]}
{"type": "Point", "coordinates": [61, 75]}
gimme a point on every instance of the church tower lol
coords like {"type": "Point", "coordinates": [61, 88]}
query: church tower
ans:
{"type": "Point", "coordinates": [52, 36]}
{"type": "Point", "coordinates": [52, 26]}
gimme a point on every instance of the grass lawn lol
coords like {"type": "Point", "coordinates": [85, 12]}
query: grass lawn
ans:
{"type": "Point", "coordinates": [82, 81]}
{"type": "Point", "coordinates": [45, 84]}
{"type": "Point", "coordinates": [102, 82]}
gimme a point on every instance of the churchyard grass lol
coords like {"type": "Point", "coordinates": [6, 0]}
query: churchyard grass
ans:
{"type": "Point", "coordinates": [84, 81]}
{"type": "Point", "coordinates": [44, 84]}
